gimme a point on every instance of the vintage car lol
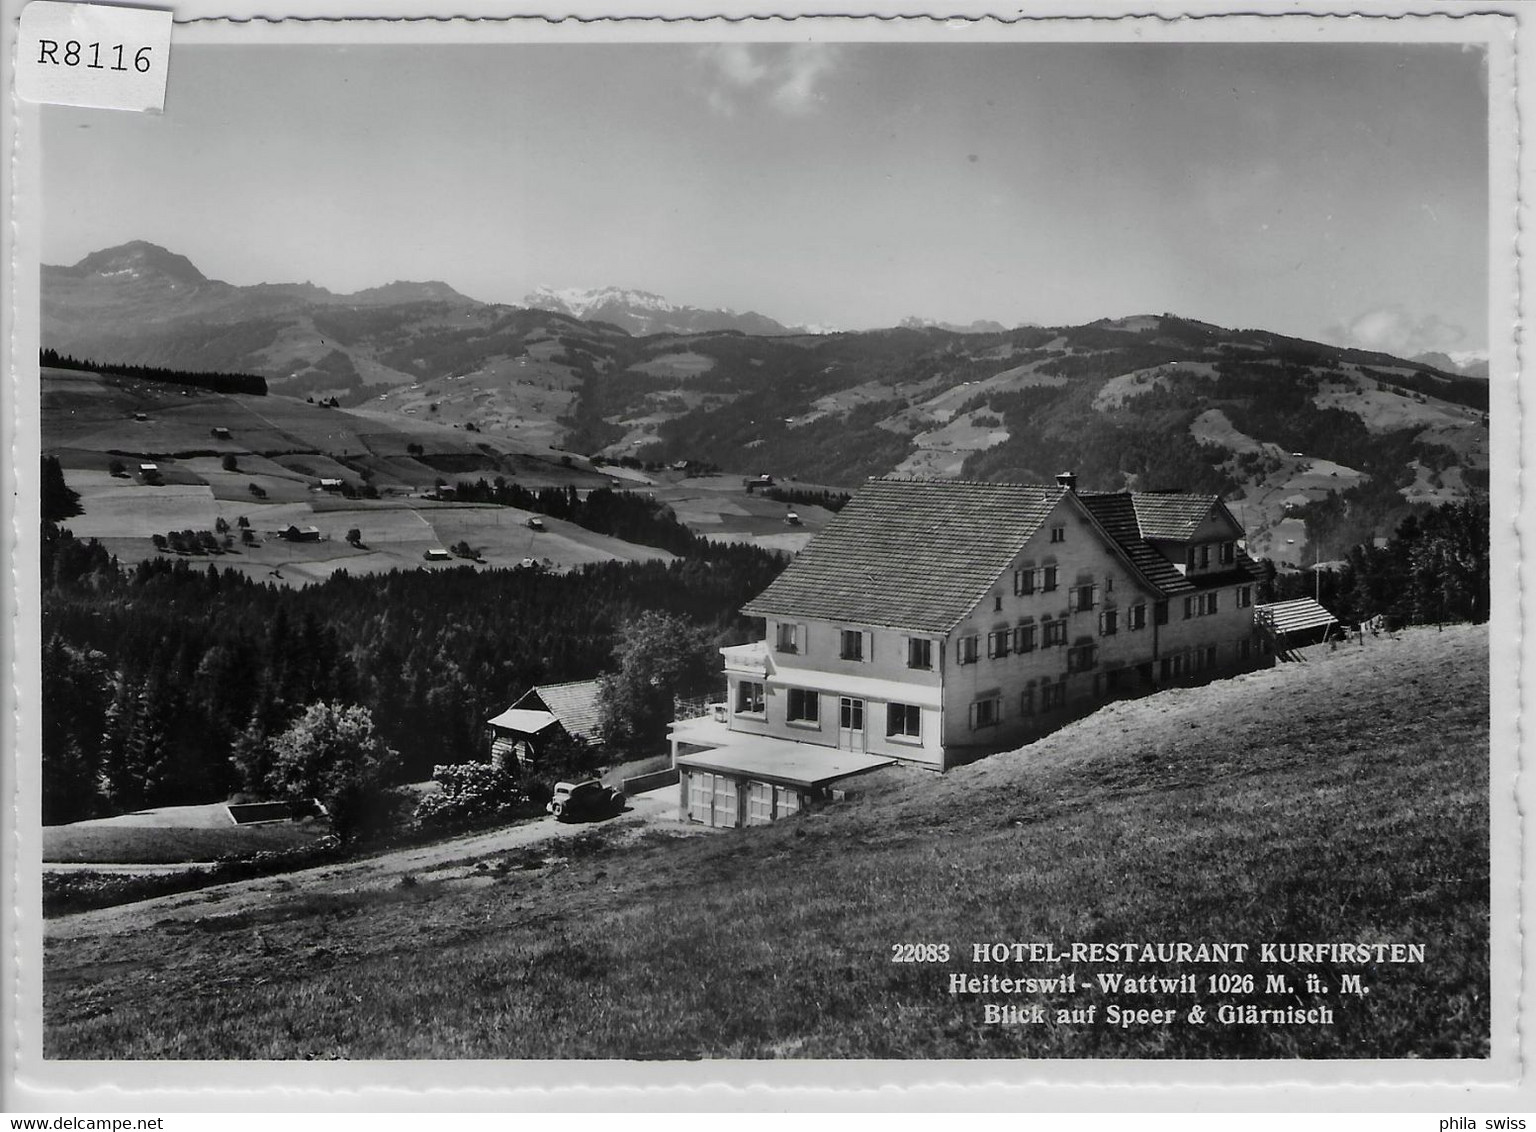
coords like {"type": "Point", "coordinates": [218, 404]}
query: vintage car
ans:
{"type": "Point", "coordinates": [585, 801]}
{"type": "Point", "coordinates": [535, 523]}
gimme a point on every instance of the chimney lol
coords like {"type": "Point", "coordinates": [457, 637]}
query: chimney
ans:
{"type": "Point", "coordinates": [1068, 480]}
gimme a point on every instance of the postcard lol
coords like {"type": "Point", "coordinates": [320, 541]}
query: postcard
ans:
{"type": "Point", "coordinates": [804, 557]}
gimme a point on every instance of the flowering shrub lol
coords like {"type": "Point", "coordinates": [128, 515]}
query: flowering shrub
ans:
{"type": "Point", "coordinates": [471, 793]}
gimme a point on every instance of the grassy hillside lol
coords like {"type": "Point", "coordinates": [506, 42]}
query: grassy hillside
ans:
{"type": "Point", "coordinates": [1343, 799]}
{"type": "Point", "coordinates": [227, 458]}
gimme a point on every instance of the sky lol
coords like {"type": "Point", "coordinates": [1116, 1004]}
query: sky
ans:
{"type": "Point", "coordinates": [1337, 192]}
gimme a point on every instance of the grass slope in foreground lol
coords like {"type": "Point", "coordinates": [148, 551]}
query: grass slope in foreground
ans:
{"type": "Point", "coordinates": [1344, 799]}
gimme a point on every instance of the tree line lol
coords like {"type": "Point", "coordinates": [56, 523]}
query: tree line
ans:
{"type": "Point", "coordinates": [166, 683]}
{"type": "Point", "coordinates": [628, 515]}
{"type": "Point", "coordinates": [1434, 569]}
{"type": "Point", "coordinates": [215, 382]}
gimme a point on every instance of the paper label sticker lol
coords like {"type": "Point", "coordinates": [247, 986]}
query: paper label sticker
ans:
{"type": "Point", "coordinates": [93, 55]}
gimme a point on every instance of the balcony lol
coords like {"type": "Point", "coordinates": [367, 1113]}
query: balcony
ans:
{"type": "Point", "coordinates": [750, 659]}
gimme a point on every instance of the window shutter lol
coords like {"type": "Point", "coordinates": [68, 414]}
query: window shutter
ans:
{"type": "Point", "coordinates": [869, 646]}
{"type": "Point", "coordinates": [1093, 596]}
{"type": "Point", "coordinates": [974, 708]}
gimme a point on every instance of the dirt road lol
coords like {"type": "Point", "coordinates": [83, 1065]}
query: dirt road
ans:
{"type": "Point", "coordinates": [447, 860]}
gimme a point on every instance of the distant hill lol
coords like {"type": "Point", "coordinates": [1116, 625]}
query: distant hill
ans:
{"type": "Point", "coordinates": [641, 313]}
{"type": "Point", "coordinates": [1314, 446]}
{"type": "Point", "coordinates": [1467, 363]}
{"type": "Point", "coordinates": [980, 326]}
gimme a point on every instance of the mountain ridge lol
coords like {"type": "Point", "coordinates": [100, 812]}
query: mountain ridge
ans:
{"type": "Point", "coordinates": [645, 312]}
{"type": "Point", "coordinates": [1305, 438]}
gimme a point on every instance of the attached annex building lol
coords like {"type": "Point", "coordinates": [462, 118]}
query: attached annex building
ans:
{"type": "Point", "coordinates": [935, 621]}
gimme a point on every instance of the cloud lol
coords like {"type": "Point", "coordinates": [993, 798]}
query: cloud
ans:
{"type": "Point", "coordinates": [1393, 329]}
{"type": "Point", "coordinates": [787, 77]}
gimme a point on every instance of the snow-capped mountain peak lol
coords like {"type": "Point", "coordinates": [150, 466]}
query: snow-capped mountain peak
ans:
{"type": "Point", "coordinates": [644, 312]}
{"type": "Point", "coordinates": [578, 301]}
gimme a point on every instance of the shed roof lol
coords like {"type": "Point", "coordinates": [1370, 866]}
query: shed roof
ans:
{"type": "Point", "coordinates": [1296, 615]}
{"type": "Point", "coordinates": [910, 553]}
{"type": "Point", "coordinates": [525, 721]}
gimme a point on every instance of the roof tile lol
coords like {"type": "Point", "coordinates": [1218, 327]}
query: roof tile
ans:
{"type": "Point", "coordinates": [1170, 515]}
{"type": "Point", "coordinates": [909, 553]}
{"type": "Point", "coordinates": [575, 704]}
{"type": "Point", "coordinates": [1116, 512]}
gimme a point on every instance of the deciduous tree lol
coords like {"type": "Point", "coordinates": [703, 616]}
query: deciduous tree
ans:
{"type": "Point", "coordinates": [659, 656]}
{"type": "Point", "coordinates": [332, 753]}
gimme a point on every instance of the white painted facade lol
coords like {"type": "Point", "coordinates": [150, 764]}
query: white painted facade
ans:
{"type": "Point", "coordinates": [1069, 625]}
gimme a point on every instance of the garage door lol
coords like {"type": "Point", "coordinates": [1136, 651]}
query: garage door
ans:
{"type": "Point", "coordinates": [768, 803]}
{"type": "Point", "coordinates": [712, 800]}
{"type": "Point", "coordinates": [759, 803]}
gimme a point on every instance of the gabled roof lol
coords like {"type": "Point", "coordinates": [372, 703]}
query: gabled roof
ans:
{"type": "Point", "coordinates": [909, 553]}
{"type": "Point", "coordinates": [1117, 513]}
{"type": "Point", "coordinates": [1133, 517]}
{"type": "Point", "coordinates": [574, 704]}
{"type": "Point", "coordinates": [1170, 515]}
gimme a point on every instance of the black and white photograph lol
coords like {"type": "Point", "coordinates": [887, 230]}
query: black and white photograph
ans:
{"type": "Point", "coordinates": [781, 544]}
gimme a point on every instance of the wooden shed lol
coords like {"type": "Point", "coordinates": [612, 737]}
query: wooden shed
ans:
{"type": "Point", "coordinates": [1297, 623]}
{"type": "Point", "coordinates": [542, 714]}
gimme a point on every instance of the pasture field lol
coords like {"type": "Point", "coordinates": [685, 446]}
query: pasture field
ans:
{"type": "Point", "coordinates": [1341, 799]}
{"type": "Point", "coordinates": [1381, 411]}
{"type": "Point", "coordinates": [102, 844]}
{"type": "Point", "coordinates": [283, 446]}
{"type": "Point", "coordinates": [721, 510]}
{"type": "Point", "coordinates": [684, 364]}
{"type": "Point", "coordinates": [313, 466]}
{"type": "Point", "coordinates": [503, 537]}
{"type": "Point", "coordinates": [124, 509]}
{"type": "Point", "coordinates": [940, 462]}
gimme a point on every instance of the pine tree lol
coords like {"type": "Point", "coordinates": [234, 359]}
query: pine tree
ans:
{"type": "Point", "coordinates": [58, 499]}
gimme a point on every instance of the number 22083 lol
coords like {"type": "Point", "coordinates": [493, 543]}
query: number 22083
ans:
{"type": "Point", "coordinates": [919, 952]}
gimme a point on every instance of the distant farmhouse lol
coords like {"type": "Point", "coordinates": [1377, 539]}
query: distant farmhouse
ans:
{"type": "Point", "coordinates": [544, 714]}
{"type": "Point", "coordinates": [935, 621]}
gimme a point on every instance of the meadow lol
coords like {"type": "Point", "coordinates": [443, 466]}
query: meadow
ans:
{"type": "Point", "coordinates": [1341, 799]}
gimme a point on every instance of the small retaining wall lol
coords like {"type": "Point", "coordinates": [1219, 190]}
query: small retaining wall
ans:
{"type": "Point", "coordinates": [653, 781]}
